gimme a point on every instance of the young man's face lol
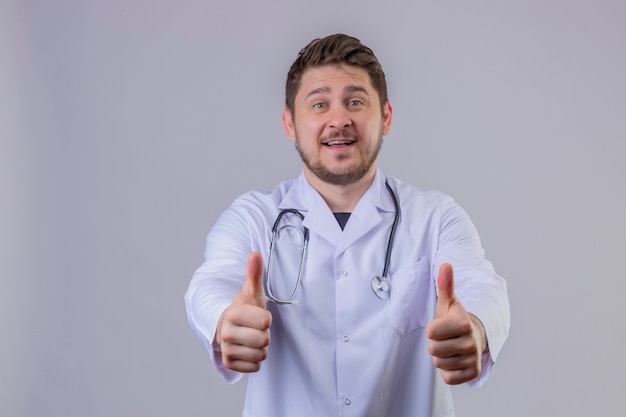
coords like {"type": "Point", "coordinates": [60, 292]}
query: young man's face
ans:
{"type": "Point", "coordinates": [337, 123]}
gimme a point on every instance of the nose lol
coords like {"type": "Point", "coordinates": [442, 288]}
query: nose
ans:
{"type": "Point", "coordinates": [339, 118]}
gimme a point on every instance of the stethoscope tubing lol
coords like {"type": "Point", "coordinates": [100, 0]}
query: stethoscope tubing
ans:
{"type": "Point", "coordinates": [394, 226]}
{"type": "Point", "coordinates": [381, 280]}
{"type": "Point", "coordinates": [270, 295]}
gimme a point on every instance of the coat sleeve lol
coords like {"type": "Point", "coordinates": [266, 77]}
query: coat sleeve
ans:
{"type": "Point", "coordinates": [481, 291]}
{"type": "Point", "coordinates": [218, 280]}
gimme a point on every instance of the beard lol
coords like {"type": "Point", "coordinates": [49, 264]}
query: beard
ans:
{"type": "Point", "coordinates": [346, 177]}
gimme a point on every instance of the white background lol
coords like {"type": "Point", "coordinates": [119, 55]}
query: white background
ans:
{"type": "Point", "coordinates": [126, 127]}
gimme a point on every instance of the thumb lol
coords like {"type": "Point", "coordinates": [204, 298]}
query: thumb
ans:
{"type": "Point", "coordinates": [445, 283]}
{"type": "Point", "coordinates": [253, 287]}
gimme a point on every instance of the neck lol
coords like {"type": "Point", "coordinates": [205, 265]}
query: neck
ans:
{"type": "Point", "coordinates": [341, 198]}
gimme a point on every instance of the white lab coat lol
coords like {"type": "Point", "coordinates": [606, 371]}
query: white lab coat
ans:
{"type": "Point", "coordinates": [342, 351]}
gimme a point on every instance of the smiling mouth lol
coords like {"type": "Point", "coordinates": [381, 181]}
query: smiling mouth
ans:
{"type": "Point", "coordinates": [339, 142]}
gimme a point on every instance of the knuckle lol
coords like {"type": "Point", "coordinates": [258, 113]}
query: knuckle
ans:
{"type": "Point", "coordinates": [466, 326]}
{"type": "Point", "coordinates": [227, 360]}
{"type": "Point", "coordinates": [227, 333]}
{"type": "Point", "coordinates": [436, 362]}
{"type": "Point", "coordinates": [447, 377]}
{"type": "Point", "coordinates": [265, 339]}
{"type": "Point", "coordinates": [432, 348]}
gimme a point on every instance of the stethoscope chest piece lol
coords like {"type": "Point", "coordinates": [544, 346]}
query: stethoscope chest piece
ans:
{"type": "Point", "coordinates": [380, 287]}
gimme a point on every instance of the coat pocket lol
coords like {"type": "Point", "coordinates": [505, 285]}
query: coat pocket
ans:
{"type": "Point", "coordinates": [413, 298]}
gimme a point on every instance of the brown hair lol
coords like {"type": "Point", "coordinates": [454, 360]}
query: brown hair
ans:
{"type": "Point", "coordinates": [335, 49]}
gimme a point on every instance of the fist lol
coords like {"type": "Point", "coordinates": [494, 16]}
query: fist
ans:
{"type": "Point", "coordinates": [456, 338]}
{"type": "Point", "coordinates": [243, 330]}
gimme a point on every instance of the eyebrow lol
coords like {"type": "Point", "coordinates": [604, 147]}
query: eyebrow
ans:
{"type": "Point", "coordinates": [347, 89]}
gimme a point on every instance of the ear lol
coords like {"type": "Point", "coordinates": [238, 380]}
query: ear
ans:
{"type": "Point", "coordinates": [288, 124]}
{"type": "Point", "coordinates": [387, 113]}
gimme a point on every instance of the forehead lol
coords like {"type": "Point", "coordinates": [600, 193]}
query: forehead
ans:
{"type": "Point", "coordinates": [330, 78]}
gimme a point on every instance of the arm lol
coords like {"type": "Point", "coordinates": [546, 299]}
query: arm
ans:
{"type": "Point", "coordinates": [472, 310]}
{"type": "Point", "coordinates": [220, 301]}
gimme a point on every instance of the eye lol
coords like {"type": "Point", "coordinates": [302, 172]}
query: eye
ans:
{"type": "Point", "coordinates": [319, 106]}
{"type": "Point", "coordinates": [355, 103]}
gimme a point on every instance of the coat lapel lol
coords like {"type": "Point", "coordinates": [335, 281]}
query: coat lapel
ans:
{"type": "Point", "coordinates": [320, 220]}
{"type": "Point", "coordinates": [317, 216]}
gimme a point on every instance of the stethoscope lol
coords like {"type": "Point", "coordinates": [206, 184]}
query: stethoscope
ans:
{"type": "Point", "coordinates": [380, 283]}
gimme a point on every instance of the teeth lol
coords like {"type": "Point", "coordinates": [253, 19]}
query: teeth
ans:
{"type": "Point", "coordinates": [339, 142]}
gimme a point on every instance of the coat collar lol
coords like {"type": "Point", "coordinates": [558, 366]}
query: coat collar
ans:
{"type": "Point", "coordinates": [319, 219]}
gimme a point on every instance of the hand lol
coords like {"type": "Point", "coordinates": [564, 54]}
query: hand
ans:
{"type": "Point", "coordinates": [243, 330]}
{"type": "Point", "coordinates": [457, 338]}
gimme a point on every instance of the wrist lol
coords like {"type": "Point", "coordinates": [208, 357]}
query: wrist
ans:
{"type": "Point", "coordinates": [480, 330]}
{"type": "Point", "coordinates": [217, 338]}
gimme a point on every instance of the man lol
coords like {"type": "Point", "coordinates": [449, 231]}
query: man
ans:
{"type": "Point", "coordinates": [382, 322]}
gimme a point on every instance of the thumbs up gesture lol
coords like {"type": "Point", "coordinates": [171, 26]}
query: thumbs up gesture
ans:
{"type": "Point", "coordinates": [456, 338]}
{"type": "Point", "coordinates": [243, 330]}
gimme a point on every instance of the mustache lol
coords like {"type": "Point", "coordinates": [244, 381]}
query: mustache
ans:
{"type": "Point", "coordinates": [342, 133]}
